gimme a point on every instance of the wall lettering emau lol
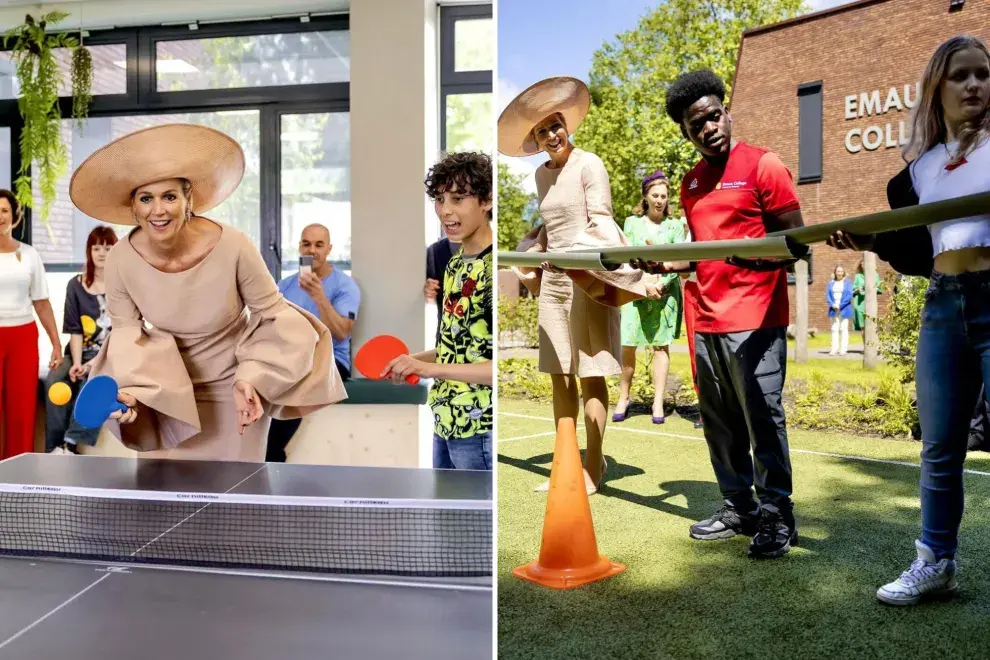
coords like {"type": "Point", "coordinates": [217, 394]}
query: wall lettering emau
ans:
{"type": "Point", "coordinates": [873, 104]}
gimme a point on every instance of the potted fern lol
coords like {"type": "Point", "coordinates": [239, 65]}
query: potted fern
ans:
{"type": "Point", "coordinates": [33, 51]}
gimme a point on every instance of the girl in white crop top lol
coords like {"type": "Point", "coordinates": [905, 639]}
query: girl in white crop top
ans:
{"type": "Point", "coordinates": [951, 142]}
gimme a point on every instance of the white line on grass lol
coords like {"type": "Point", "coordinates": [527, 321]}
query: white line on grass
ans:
{"type": "Point", "coordinates": [527, 437]}
{"type": "Point", "coordinates": [701, 438]}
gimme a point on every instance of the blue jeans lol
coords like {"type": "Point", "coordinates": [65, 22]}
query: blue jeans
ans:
{"type": "Point", "coordinates": [474, 453]}
{"type": "Point", "coordinates": [953, 362]}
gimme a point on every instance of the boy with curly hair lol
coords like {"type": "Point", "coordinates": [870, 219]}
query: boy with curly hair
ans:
{"type": "Point", "coordinates": [460, 186]}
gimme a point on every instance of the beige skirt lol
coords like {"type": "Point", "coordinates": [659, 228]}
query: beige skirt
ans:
{"type": "Point", "coordinates": [578, 336]}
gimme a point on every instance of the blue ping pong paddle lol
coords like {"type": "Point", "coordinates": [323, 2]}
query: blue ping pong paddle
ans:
{"type": "Point", "coordinates": [96, 401]}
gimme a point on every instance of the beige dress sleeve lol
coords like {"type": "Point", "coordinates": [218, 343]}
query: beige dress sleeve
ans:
{"type": "Point", "coordinates": [286, 353]}
{"type": "Point", "coordinates": [612, 288]}
{"type": "Point", "coordinates": [147, 365]}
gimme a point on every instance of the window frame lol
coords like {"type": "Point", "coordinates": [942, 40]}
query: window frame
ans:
{"type": "Point", "coordinates": [143, 98]}
{"type": "Point", "coordinates": [816, 175]}
{"type": "Point", "coordinates": [453, 83]}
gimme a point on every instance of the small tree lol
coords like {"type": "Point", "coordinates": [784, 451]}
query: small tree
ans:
{"type": "Point", "coordinates": [898, 331]}
{"type": "Point", "coordinates": [515, 209]}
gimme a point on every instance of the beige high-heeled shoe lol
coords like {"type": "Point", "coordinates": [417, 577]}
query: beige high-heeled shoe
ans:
{"type": "Point", "coordinates": [590, 486]}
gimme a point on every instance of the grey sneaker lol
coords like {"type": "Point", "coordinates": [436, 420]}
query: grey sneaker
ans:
{"type": "Point", "coordinates": [926, 578]}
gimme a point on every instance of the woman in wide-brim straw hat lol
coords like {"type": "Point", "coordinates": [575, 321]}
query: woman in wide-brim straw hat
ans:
{"type": "Point", "coordinates": [204, 348]}
{"type": "Point", "coordinates": [578, 310]}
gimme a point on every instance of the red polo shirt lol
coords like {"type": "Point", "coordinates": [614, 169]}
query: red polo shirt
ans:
{"type": "Point", "coordinates": [729, 202]}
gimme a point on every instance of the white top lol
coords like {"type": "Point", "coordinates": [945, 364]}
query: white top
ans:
{"type": "Point", "coordinates": [21, 283]}
{"type": "Point", "coordinates": [934, 183]}
{"type": "Point", "coordinates": [838, 287]}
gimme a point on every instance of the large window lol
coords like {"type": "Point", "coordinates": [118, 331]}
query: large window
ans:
{"type": "Point", "coordinates": [316, 185]}
{"type": "Point", "coordinates": [467, 59]}
{"type": "Point", "coordinates": [263, 60]}
{"type": "Point", "coordinates": [279, 87]}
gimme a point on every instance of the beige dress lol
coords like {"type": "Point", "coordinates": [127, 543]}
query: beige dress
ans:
{"type": "Point", "coordinates": [579, 310]}
{"type": "Point", "coordinates": [180, 341]}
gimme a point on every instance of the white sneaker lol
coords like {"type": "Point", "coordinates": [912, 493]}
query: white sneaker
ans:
{"type": "Point", "coordinates": [925, 579]}
{"type": "Point", "coordinates": [58, 450]}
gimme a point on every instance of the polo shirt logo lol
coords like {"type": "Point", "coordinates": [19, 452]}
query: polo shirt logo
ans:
{"type": "Point", "coordinates": [733, 185]}
{"type": "Point", "coordinates": [694, 184]}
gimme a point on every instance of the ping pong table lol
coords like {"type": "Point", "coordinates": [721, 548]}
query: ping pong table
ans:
{"type": "Point", "coordinates": [141, 558]}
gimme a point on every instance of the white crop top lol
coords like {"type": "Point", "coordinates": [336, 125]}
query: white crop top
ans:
{"type": "Point", "coordinates": [934, 183]}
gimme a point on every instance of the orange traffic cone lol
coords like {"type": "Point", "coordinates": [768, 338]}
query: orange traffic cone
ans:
{"type": "Point", "coordinates": [569, 555]}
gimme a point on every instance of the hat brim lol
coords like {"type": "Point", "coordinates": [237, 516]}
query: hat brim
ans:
{"type": "Point", "coordinates": [213, 162]}
{"type": "Point", "coordinates": [561, 94]}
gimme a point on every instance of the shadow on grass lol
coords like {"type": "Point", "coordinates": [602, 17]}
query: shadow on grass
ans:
{"type": "Point", "coordinates": [818, 601]}
{"type": "Point", "coordinates": [699, 494]}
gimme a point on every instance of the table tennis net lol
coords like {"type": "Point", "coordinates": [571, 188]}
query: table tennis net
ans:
{"type": "Point", "coordinates": [410, 539]}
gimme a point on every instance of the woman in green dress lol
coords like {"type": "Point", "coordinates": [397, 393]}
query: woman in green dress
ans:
{"type": "Point", "coordinates": [655, 321]}
{"type": "Point", "coordinates": [859, 300]}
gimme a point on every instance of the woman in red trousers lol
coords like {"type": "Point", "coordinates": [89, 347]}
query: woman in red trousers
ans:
{"type": "Point", "coordinates": [23, 293]}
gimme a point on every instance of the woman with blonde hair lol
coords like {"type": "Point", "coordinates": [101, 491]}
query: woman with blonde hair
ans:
{"type": "Point", "coordinates": [204, 348]}
{"type": "Point", "coordinates": [578, 310]}
{"type": "Point", "coordinates": [950, 147]}
{"type": "Point", "coordinates": [654, 322]}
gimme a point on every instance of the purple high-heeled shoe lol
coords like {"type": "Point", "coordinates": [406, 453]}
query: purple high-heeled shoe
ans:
{"type": "Point", "coordinates": [620, 417]}
{"type": "Point", "coordinates": [659, 420]}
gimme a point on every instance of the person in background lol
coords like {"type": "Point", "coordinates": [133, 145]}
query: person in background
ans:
{"type": "Point", "coordinates": [87, 323]}
{"type": "Point", "coordinates": [437, 256]}
{"type": "Point", "coordinates": [838, 295]}
{"type": "Point", "coordinates": [655, 321]}
{"type": "Point", "coordinates": [461, 367]}
{"type": "Point", "coordinates": [23, 293]}
{"type": "Point", "coordinates": [331, 295]}
{"type": "Point", "coordinates": [859, 300]}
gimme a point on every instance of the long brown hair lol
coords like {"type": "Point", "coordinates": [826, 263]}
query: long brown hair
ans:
{"type": "Point", "coordinates": [928, 120]}
{"type": "Point", "coordinates": [101, 235]}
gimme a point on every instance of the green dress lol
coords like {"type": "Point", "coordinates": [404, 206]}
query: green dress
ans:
{"type": "Point", "coordinates": [859, 299]}
{"type": "Point", "coordinates": [648, 322]}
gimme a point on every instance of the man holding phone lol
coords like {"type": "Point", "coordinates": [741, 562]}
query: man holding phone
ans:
{"type": "Point", "coordinates": [328, 293]}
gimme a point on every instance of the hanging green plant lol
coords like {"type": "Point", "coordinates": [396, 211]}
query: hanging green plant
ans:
{"type": "Point", "coordinates": [33, 52]}
{"type": "Point", "coordinates": [82, 84]}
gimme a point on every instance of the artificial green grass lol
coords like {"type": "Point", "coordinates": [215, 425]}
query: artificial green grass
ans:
{"type": "Point", "coordinates": [685, 599]}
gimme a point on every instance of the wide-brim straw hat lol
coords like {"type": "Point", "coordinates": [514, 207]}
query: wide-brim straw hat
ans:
{"type": "Point", "coordinates": [212, 161]}
{"type": "Point", "coordinates": [564, 94]}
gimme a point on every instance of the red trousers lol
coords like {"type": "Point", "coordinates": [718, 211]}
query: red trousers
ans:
{"type": "Point", "coordinates": [18, 388]}
{"type": "Point", "coordinates": [690, 314]}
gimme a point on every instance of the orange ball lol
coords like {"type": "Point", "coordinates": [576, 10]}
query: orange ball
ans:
{"type": "Point", "coordinates": [59, 394]}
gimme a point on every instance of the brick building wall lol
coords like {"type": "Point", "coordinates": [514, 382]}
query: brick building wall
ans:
{"type": "Point", "coordinates": [867, 46]}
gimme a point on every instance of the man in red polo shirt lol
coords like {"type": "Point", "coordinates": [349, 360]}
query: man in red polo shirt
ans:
{"type": "Point", "coordinates": [738, 191]}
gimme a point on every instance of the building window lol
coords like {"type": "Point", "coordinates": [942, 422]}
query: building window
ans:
{"type": "Point", "coordinates": [467, 59]}
{"type": "Point", "coordinates": [263, 60]}
{"type": "Point", "coordinates": [810, 133]}
{"type": "Point", "coordinates": [279, 87]}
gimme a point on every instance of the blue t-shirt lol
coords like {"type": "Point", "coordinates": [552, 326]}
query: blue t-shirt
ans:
{"type": "Point", "coordinates": [344, 295]}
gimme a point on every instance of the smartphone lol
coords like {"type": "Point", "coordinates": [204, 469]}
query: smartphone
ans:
{"type": "Point", "coordinates": [306, 264]}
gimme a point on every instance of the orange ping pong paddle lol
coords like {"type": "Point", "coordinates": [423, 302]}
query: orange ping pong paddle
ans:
{"type": "Point", "coordinates": [372, 358]}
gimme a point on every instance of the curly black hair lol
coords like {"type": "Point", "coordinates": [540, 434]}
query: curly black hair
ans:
{"type": "Point", "coordinates": [690, 87]}
{"type": "Point", "coordinates": [467, 172]}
